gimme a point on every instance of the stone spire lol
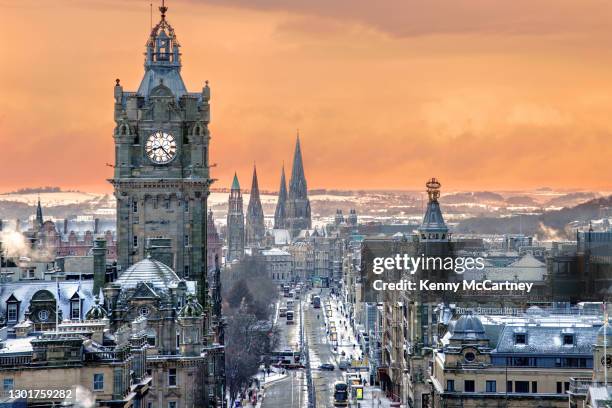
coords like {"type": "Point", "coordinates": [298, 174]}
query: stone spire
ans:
{"type": "Point", "coordinates": [280, 213]}
{"type": "Point", "coordinates": [255, 228]}
{"type": "Point", "coordinates": [433, 227]}
{"type": "Point", "coordinates": [298, 205]}
{"type": "Point", "coordinates": [235, 223]}
{"type": "Point", "coordinates": [297, 184]}
{"type": "Point", "coordinates": [39, 215]}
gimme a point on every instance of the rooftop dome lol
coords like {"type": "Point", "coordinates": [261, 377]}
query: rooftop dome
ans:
{"type": "Point", "coordinates": [469, 327]}
{"type": "Point", "coordinates": [150, 271]}
{"type": "Point", "coordinates": [97, 311]}
{"type": "Point", "coordinates": [192, 308]}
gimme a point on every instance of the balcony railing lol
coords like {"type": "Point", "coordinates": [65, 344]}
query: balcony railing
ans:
{"type": "Point", "coordinates": [580, 385]}
{"type": "Point", "coordinates": [15, 360]}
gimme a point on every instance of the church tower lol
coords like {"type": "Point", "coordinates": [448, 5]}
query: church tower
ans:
{"type": "Point", "coordinates": [161, 178]}
{"type": "Point", "coordinates": [235, 223]}
{"type": "Point", "coordinates": [298, 205]}
{"type": "Point", "coordinates": [255, 228]}
{"type": "Point", "coordinates": [280, 213]}
{"type": "Point", "coordinates": [39, 216]}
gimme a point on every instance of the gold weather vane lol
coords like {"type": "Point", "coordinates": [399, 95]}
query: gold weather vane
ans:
{"type": "Point", "coordinates": [433, 189]}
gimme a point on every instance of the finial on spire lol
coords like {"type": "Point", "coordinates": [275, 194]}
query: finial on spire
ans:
{"type": "Point", "coordinates": [163, 9]}
{"type": "Point", "coordinates": [433, 189]}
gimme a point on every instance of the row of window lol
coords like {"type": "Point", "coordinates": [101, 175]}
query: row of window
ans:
{"type": "Point", "coordinates": [12, 311]}
{"type": "Point", "coordinates": [135, 241]}
{"type": "Point", "coordinates": [569, 362]}
{"type": "Point", "coordinates": [8, 384]}
{"type": "Point", "coordinates": [568, 339]}
{"type": "Point", "coordinates": [491, 386]}
{"type": "Point", "coordinates": [166, 205]}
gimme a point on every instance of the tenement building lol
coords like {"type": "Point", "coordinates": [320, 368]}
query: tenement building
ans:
{"type": "Point", "coordinates": [513, 362]}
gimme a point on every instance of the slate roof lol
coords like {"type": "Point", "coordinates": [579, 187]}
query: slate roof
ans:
{"type": "Point", "coordinates": [24, 291]}
{"type": "Point", "coordinates": [468, 327]}
{"type": "Point", "coordinates": [170, 77]}
{"type": "Point", "coordinates": [525, 269]}
{"type": "Point", "coordinates": [547, 340]}
{"type": "Point", "coordinates": [148, 270]}
{"type": "Point", "coordinates": [433, 220]}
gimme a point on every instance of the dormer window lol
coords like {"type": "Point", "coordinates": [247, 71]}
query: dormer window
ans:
{"type": "Point", "coordinates": [520, 338]}
{"type": "Point", "coordinates": [568, 339]}
{"type": "Point", "coordinates": [75, 309]}
{"type": "Point", "coordinates": [12, 312]}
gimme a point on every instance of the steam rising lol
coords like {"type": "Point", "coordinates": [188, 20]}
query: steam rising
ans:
{"type": "Point", "coordinates": [17, 245]}
{"type": "Point", "coordinates": [549, 234]}
{"type": "Point", "coordinates": [83, 398]}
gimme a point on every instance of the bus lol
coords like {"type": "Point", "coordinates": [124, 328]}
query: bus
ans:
{"type": "Point", "coordinates": [341, 397]}
{"type": "Point", "coordinates": [316, 302]}
{"type": "Point", "coordinates": [290, 317]}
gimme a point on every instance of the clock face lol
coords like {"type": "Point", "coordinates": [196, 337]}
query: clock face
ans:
{"type": "Point", "coordinates": [43, 315]}
{"type": "Point", "coordinates": [161, 147]}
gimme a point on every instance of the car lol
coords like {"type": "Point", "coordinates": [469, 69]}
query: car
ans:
{"type": "Point", "coordinates": [344, 365]}
{"type": "Point", "coordinates": [326, 367]}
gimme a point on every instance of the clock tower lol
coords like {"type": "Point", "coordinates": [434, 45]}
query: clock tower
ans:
{"type": "Point", "coordinates": [161, 177]}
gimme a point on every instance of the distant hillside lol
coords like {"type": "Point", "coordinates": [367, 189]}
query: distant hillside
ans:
{"type": "Point", "coordinates": [551, 224]}
{"type": "Point", "coordinates": [475, 197]}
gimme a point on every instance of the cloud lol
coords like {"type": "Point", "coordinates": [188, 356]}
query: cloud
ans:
{"type": "Point", "coordinates": [428, 17]}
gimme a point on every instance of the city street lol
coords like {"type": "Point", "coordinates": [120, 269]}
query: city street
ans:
{"type": "Point", "coordinates": [292, 389]}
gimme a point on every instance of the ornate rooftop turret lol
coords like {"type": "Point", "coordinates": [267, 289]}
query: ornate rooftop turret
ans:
{"type": "Point", "coordinates": [433, 227]}
{"type": "Point", "coordinates": [192, 308]}
{"type": "Point", "coordinates": [162, 59]}
{"type": "Point", "coordinates": [97, 311]}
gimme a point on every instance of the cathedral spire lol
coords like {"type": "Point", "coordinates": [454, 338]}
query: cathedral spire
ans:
{"type": "Point", "coordinates": [280, 213]}
{"type": "Point", "coordinates": [298, 205]}
{"type": "Point", "coordinates": [255, 228]}
{"type": "Point", "coordinates": [297, 184]}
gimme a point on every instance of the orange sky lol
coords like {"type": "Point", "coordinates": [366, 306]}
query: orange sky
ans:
{"type": "Point", "coordinates": [483, 94]}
